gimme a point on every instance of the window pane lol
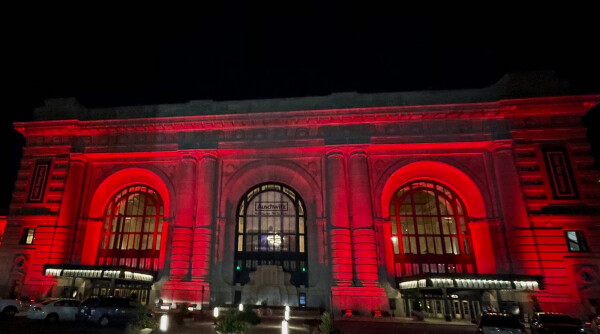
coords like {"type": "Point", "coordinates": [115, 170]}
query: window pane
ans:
{"type": "Point", "coordinates": [396, 246]}
{"type": "Point", "coordinates": [240, 243]}
{"type": "Point", "coordinates": [438, 246]}
{"type": "Point", "coordinates": [430, 246]}
{"type": "Point", "coordinates": [413, 245]}
{"type": "Point", "coordinates": [420, 225]}
{"type": "Point", "coordinates": [455, 246]}
{"type": "Point", "coordinates": [423, 245]}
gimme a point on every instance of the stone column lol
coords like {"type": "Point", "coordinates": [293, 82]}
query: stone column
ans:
{"type": "Point", "coordinates": [62, 243]}
{"type": "Point", "coordinates": [364, 248]}
{"type": "Point", "coordinates": [337, 204]}
{"type": "Point", "coordinates": [206, 186]}
{"type": "Point", "coordinates": [510, 197]}
{"type": "Point", "coordinates": [182, 239]}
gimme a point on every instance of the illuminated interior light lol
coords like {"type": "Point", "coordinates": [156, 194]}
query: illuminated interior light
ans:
{"type": "Point", "coordinates": [241, 307]}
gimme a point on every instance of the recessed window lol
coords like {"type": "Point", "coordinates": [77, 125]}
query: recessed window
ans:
{"type": "Point", "coordinates": [271, 230]}
{"type": "Point", "coordinates": [576, 241]}
{"type": "Point", "coordinates": [430, 230]}
{"type": "Point", "coordinates": [133, 229]}
{"type": "Point", "coordinates": [27, 236]}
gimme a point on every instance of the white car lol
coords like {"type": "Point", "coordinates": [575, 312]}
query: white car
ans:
{"type": "Point", "coordinates": [9, 307]}
{"type": "Point", "coordinates": [53, 310]}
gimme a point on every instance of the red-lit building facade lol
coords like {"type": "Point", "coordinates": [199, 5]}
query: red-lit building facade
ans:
{"type": "Point", "coordinates": [458, 201]}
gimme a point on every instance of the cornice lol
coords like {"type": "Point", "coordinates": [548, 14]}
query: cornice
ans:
{"type": "Point", "coordinates": [504, 109]}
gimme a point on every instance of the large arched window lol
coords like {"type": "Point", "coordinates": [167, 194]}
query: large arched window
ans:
{"type": "Point", "coordinates": [132, 231]}
{"type": "Point", "coordinates": [430, 232]}
{"type": "Point", "coordinates": [271, 230]}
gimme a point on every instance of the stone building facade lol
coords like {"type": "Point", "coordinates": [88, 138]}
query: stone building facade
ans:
{"type": "Point", "coordinates": [453, 202]}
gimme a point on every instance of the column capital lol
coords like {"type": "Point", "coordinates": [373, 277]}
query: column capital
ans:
{"type": "Point", "coordinates": [500, 145]}
{"type": "Point", "coordinates": [334, 152]}
{"type": "Point", "coordinates": [77, 157]}
{"type": "Point", "coordinates": [188, 155]}
{"type": "Point", "coordinates": [212, 155]}
{"type": "Point", "coordinates": [357, 152]}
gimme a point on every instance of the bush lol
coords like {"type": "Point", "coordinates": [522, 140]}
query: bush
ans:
{"type": "Point", "coordinates": [143, 319]}
{"type": "Point", "coordinates": [326, 325]}
{"type": "Point", "coordinates": [230, 323]}
{"type": "Point", "coordinates": [249, 316]}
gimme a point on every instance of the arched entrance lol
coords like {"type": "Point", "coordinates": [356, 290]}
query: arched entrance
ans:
{"type": "Point", "coordinates": [270, 244]}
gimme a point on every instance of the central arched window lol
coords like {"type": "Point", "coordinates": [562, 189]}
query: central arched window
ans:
{"type": "Point", "coordinates": [430, 232]}
{"type": "Point", "coordinates": [271, 230]}
{"type": "Point", "coordinates": [132, 229]}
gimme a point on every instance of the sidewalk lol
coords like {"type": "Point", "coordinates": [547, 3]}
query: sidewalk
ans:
{"type": "Point", "coordinates": [300, 325]}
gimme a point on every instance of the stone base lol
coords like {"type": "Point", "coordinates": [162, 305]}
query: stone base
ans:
{"type": "Point", "coordinates": [361, 300]}
{"type": "Point", "coordinates": [190, 292]}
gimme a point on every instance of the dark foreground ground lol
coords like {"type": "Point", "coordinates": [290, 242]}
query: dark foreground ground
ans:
{"type": "Point", "coordinates": [271, 325]}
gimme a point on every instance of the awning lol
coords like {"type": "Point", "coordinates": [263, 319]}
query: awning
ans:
{"type": "Point", "coordinates": [472, 282]}
{"type": "Point", "coordinates": [99, 272]}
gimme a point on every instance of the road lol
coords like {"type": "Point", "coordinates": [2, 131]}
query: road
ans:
{"type": "Point", "coordinates": [23, 325]}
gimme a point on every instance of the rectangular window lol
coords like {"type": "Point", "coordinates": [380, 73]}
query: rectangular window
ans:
{"type": "Point", "coordinates": [27, 236]}
{"type": "Point", "coordinates": [576, 241]}
{"type": "Point", "coordinates": [396, 246]}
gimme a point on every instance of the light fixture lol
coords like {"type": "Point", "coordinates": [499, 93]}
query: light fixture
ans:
{"type": "Point", "coordinates": [164, 323]}
{"type": "Point", "coordinates": [241, 307]}
{"type": "Point", "coordinates": [284, 327]}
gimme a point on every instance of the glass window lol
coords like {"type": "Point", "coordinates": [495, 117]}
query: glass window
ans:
{"type": "Point", "coordinates": [27, 236]}
{"type": "Point", "coordinates": [133, 228]}
{"type": "Point", "coordinates": [576, 241]}
{"type": "Point", "coordinates": [271, 219]}
{"type": "Point", "coordinates": [432, 224]}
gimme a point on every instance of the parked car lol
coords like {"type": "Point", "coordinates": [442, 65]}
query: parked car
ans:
{"type": "Point", "coordinates": [499, 323]}
{"type": "Point", "coordinates": [555, 323]}
{"type": "Point", "coordinates": [9, 307]}
{"type": "Point", "coordinates": [595, 324]}
{"type": "Point", "coordinates": [53, 310]}
{"type": "Point", "coordinates": [106, 311]}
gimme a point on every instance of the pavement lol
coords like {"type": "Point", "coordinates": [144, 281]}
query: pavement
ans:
{"type": "Point", "coordinates": [348, 325]}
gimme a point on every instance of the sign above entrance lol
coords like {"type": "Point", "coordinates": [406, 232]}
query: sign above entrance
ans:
{"type": "Point", "coordinates": [527, 283]}
{"type": "Point", "coordinates": [267, 207]}
{"type": "Point", "coordinates": [82, 271]}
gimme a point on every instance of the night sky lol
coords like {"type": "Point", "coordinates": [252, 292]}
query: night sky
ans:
{"type": "Point", "coordinates": [232, 52]}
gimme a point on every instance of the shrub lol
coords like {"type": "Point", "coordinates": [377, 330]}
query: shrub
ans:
{"type": "Point", "coordinates": [326, 325]}
{"type": "Point", "coordinates": [230, 323]}
{"type": "Point", "coordinates": [143, 319]}
{"type": "Point", "coordinates": [249, 316]}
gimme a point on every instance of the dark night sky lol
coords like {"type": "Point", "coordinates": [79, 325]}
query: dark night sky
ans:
{"type": "Point", "coordinates": [230, 52]}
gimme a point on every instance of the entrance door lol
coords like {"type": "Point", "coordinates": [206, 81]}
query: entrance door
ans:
{"type": "Point", "coordinates": [439, 308]}
{"type": "Point", "coordinates": [476, 308]}
{"type": "Point", "coordinates": [465, 309]}
{"type": "Point", "coordinates": [456, 307]}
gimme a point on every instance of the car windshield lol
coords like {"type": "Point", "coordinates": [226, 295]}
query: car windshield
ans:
{"type": "Point", "coordinates": [557, 319]}
{"type": "Point", "coordinates": [500, 321]}
{"type": "Point", "coordinates": [46, 302]}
